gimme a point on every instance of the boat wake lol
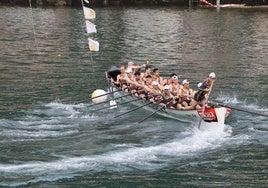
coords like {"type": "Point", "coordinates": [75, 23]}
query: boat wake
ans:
{"type": "Point", "coordinates": [244, 104]}
{"type": "Point", "coordinates": [55, 121]}
{"type": "Point", "coordinates": [133, 158]}
{"type": "Point", "coordinates": [248, 126]}
{"type": "Point", "coordinates": [51, 122]}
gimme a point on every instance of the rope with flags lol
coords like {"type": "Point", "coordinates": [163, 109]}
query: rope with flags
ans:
{"type": "Point", "coordinates": [90, 14]}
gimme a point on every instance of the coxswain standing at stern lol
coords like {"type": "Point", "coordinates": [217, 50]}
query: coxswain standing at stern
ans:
{"type": "Point", "coordinates": [204, 89]}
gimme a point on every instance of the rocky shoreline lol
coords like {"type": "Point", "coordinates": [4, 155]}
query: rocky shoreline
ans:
{"type": "Point", "coordinates": [126, 2]}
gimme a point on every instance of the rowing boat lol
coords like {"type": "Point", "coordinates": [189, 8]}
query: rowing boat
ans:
{"type": "Point", "coordinates": [212, 115]}
{"type": "Point", "coordinates": [209, 115]}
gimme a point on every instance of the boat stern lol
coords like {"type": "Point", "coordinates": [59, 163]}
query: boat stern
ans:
{"type": "Point", "coordinates": [221, 114]}
{"type": "Point", "coordinates": [218, 114]}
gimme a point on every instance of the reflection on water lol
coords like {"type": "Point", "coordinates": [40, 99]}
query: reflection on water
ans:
{"type": "Point", "coordinates": [46, 57]}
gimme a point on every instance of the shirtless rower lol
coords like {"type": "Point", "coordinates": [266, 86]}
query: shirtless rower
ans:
{"type": "Point", "coordinates": [139, 88]}
{"type": "Point", "coordinates": [167, 98]}
{"type": "Point", "coordinates": [174, 84]}
{"type": "Point", "coordinates": [136, 67]}
{"type": "Point", "coordinates": [156, 76]}
{"type": "Point", "coordinates": [156, 93]}
{"type": "Point", "coordinates": [149, 88]}
{"type": "Point", "coordinates": [123, 79]}
{"type": "Point", "coordinates": [186, 94]}
{"type": "Point", "coordinates": [119, 79]}
{"type": "Point", "coordinates": [168, 81]}
{"type": "Point", "coordinates": [146, 72]}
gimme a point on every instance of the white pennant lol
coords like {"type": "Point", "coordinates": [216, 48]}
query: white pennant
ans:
{"type": "Point", "coordinates": [93, 45]}
{"type": "Point", "coordinates": [91, 28]}
{"type": "Point", "coordinates": [89, 13]}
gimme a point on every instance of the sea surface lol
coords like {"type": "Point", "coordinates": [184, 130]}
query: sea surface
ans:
{"type": "Point", "coordinates": [51, 135]}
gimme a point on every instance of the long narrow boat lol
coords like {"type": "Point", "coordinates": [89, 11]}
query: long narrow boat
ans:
{"type": "Point", "coordinates": [212, 115]}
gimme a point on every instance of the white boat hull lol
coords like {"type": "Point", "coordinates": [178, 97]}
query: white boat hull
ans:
{"type": "Point", "coordinates": [215, 116]}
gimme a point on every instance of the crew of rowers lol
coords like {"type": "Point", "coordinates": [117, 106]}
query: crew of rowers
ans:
{"type": "Point", "coordinates": [151, 86]}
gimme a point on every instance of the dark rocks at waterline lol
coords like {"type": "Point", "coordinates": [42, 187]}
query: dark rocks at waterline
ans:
{"type": "Point", "coordinates": [123, 2]}
{"type": "Point", "coordinates": [37, 2]}
{"type": "Point", "coordinates": [94, 2]}
{"type": "Point", "coordinates": [246, 2]}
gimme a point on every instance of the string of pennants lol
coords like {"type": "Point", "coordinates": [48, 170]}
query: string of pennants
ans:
{"type": "Point", "coordinates": [90, 14]}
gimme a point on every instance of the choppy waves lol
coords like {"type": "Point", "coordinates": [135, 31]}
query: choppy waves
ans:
{"type": "Point", "coordinates": [55, 121]}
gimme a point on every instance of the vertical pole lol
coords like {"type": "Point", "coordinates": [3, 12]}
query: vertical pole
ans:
{"type": "Point", "coordinates": [190, 4]}
{"type": "Point", "coordinates": [218, 4]}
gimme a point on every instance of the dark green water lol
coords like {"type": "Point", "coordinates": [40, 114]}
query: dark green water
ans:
{"type": "Point", "coordinates": [47, 139]}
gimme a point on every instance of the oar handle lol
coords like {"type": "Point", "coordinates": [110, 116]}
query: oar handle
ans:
{"type": "Point", "coordinates": [116, 104]}
{"type": "Point", "coordinates": [113, 99]}
{"type": "Point", "coordinates": [151, 114]}
{"type": "Point", "coordinates": [162, 107]}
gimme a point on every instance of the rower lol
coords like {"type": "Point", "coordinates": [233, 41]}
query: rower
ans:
{"type": "Point", "coordinates": [146, 73]}
{"type": "Point", "coordinates": [156, 76]}
{"type": "Point", "coordinates": [174, 84]}
{"type": "Point", "coordinates": [168, 98]}
{"type": "Point", "coordinates": [147, 87]}
{"type": "Point", "coordinates": [138, 89]}
{"type": "Point", "coordinates": [168, 81]}
{"type": "Point", "coordinates": [120, 81]}
{"type": "Point", "coordinates": [136, 67]}
{"type": "Point", "coordinates": [156, 92]}
{"type": "Point", "coordinates": [186, 93]}
{"type": "Point", "coordinates": [124, 79]}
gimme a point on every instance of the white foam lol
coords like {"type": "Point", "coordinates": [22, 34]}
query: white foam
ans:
{"type": "Point", "coordinates": [136, 157]}
{"type": "Point", "coordinates": [35, 134]}
{"type": "Point", "coordinates": [125, 157]}
{"type": "Point", "coordinates": [56, 104]}
{"type": "Point", "coordinates": [228, 99]}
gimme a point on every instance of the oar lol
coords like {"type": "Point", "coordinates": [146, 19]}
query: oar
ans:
{"type": "Point", "coordinates": [151, 114]}
{"type": "Point", "coordinates": [108, 100]}
{"type": "Point", "coordinates": [133, 109]}
{"type": "Point", "coordinates": [163, 107]}
{"type": "Point", "coordinates": [116, 104]}
{"type": "Point", "coordinates": [238, 109]}
{"type": "Point", "coordinates": [202, 115]}
{"type": "Point", "coordinates": [97, 96]}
